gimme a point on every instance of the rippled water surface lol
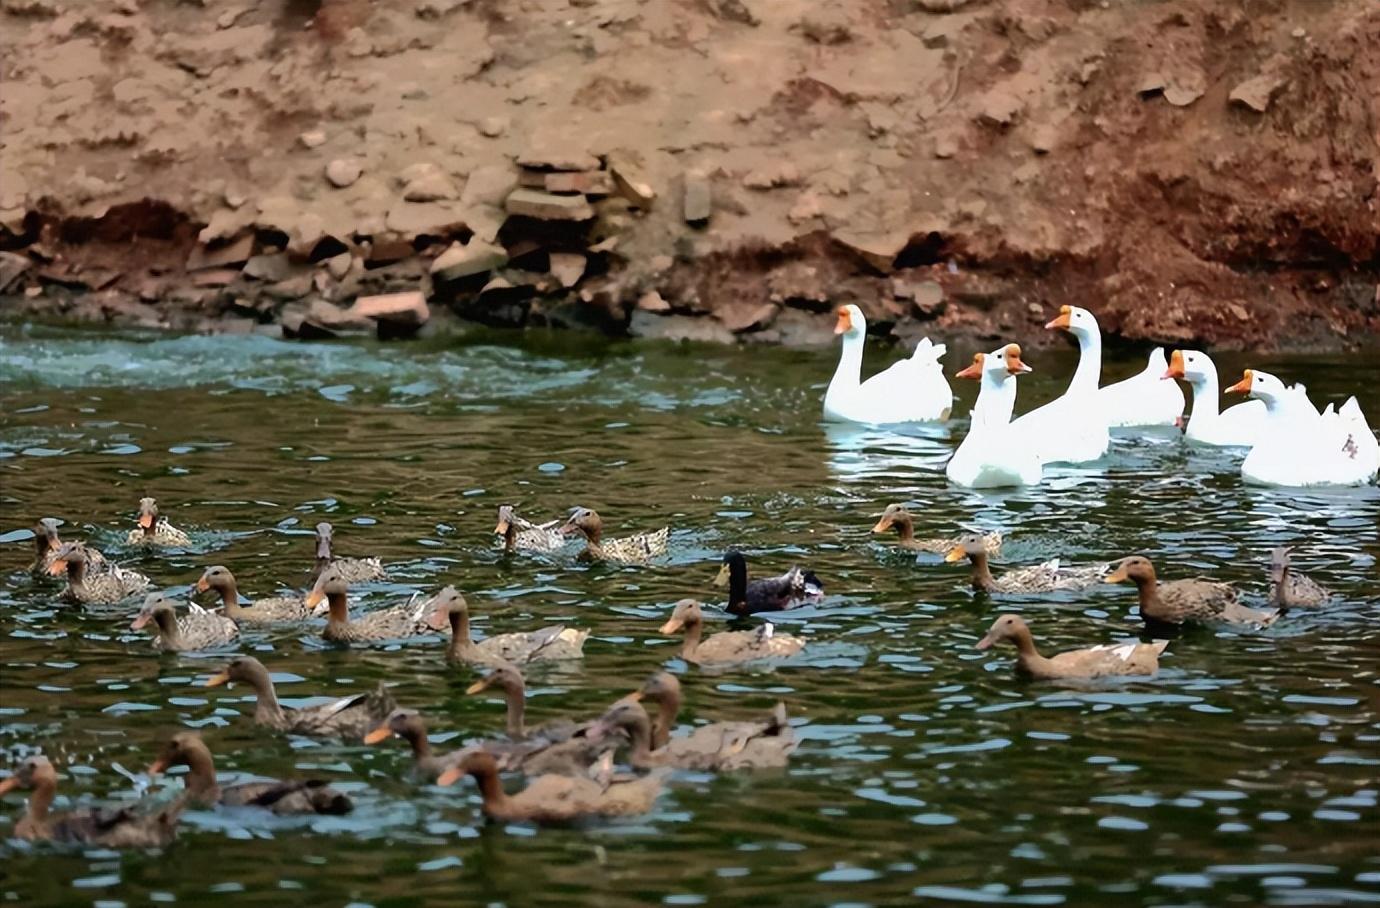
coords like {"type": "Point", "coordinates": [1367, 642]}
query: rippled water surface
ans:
{"type": "Point", "coordinates": [1248, 772]}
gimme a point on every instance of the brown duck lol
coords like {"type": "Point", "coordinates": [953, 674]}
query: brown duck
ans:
{"type": "Point", "coordinates": [1186, 601]}
{"type": "Point", "coordinates": [112, 585]}
{"type": "Point", "coordinates": [519, 648]}
{"type": "Point", "coordinates": [1290, 589]}
{"type": "Point", "coordinates": [409, 725]}
{"type": "Point", "coordinates": [896, 517]}
{"type": "Point", "coordinates": [636, 549]}
{"type": "Point", "coordinates": [729, 646]}
{"type": "Point", "coordinates": [109, 827]}
{"type": "Point", "coordinates": [155, 530]}
{"type": "Point", "coordinates": [260, 611]}
{"type": "Point", "coordinates": [349, 717]}
{"type": "Point", "coordinates": [394, 623]}
{"type": "Point", "coordinates": [46, 546]}
{"type": "Point", "coordinates": [553, 798]}
{"type": "Point", "coordinates": [1095, 662]}
{"type": "Point", "coordinates": [293, 797]}
{"type": "Point", "coordinates": [718, 746]}
{"type": "Point", "coordinates": [508, 678]}
{"type": "Point", "coordinates": [197, 630]}
{"type": "Point", "coordinates": [522, 535]}
{"type": "Point", "coordinates": [354, 570]}
{"type": "Point", "coordinates": [1046, 577]}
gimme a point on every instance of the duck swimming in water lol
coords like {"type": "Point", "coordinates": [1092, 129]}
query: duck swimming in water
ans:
{"type": "Point", "coordinates": [155, 530]}
{"type": "Point", "coordinates": [897, 517]}
{"type": "Point", "coordinates": [636, 549]}
{"type": "Point", "coordinates": [348, 717]}
{"type": "Point", "coordinates": [196, 630]}
{"type": "Point", "coordinates": [47, 544]}
{"type": "Point", "coordinates": [1045, 577]}
{"type": "Point", "coordinates": [1291, 589]}
{"type": "Point", "coordinates": [1193, 601]}
{"type": "Point", "coordinates": [353, 570]}
{"type": "Point", "coordinates": [108, 827]}
{"type": "Point", "coordinates": [299, 796]}
{"type": "Point", "coordinates": [259, 611]}
{"type": "Point", "coordinates": [112, 585]}
{"type": "Point", "coordinates": [730, 646]}
{"type": "Point", "coordinates": [1094, 662]}
{"type": "Point", "coordinates": [522, 535]}
{"type": "Point", "coordinates": [772, 594]}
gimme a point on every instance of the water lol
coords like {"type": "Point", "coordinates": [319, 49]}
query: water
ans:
{"type": "Point", "coordinates": [1247, 773]}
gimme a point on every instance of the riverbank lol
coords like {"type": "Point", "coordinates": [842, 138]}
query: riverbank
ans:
{"type": "Point", "coordinates": [1194, 173]}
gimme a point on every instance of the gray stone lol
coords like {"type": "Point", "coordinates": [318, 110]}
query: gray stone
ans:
{"type": "Point", "coordinates": [229, 255]}
{"type": "Point", "coordinates": [698, 199]}
{"type": "Point", "coordinates": [313, 138]}
{"type": "Point", "coordinates": [489, 185]}
{"type": "Point", "coordinates": [343, 172]}
{"type": "Point", "coordinates": [462, 261]}
{"type": "Point", "coordinates": [270, 268]}
{"type": "Point", "coordinates": [678, 328]}
{"type": "Point", "coordinates": [595, 182]}
{"type": "Point", "coordinates": [558, 159]}
{"type": "Point", "coordinates": [399, 312]}
{"type": "Point", "coordinates": [631, 182]}
{"type": "Point", "coordinates": [1257, 93]}
{"type": "Point", "coordinates": [12, 267]}
{"type": "Point", "coordinates": [433, 186]}
{"type": "Point", "coordinates": [547, 206]}
{"type": "Point", "coordinates": [651, 301]}
{"type": "Point", "coordinates": [567, 267]}
{"type": "Point", "coordinates": [739, 317]}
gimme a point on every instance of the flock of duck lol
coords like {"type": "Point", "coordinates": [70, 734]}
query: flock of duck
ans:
{"type": "Point", "coordinates": [1286, 439]}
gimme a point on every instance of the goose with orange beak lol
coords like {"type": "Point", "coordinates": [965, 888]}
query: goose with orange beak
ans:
{"type": "Point", "coordinates": [155, 530]}
{"type": "Point", "coordinates": [1301, 448]}
{"type": "Point", "coordinates": [1073, 427]}
{"type": "Point", "coordinates": [912, 390]}
{"type": "Point", "coordinates": [993, 454]}
{"type": "Point", "coordinates": [1237, 426]}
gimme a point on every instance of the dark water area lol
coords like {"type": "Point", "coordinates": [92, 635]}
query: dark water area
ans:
{"type": "Point", "coordinates": [1247, 772]}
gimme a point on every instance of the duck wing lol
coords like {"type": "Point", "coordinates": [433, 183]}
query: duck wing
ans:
{"type": "Point", "coordinates": [360, 570]}
{"type": "Point", "coordinates": [301, 796]}
{"type": "Point", "coordinates": [549, 643]}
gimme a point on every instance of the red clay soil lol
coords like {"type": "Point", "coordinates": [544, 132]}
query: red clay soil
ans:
{"type": "Point", "coordinates": [1194, 171]}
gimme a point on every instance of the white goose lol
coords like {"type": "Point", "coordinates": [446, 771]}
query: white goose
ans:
{"type": "Point", "coordinates": [1237, 426]}
{"type": "Point", "coordinates": [1300, 448]}
{"type": "Point", "coordinates": [1072, 428]}
{"type": "Point", "coordinates": [913, 390]}
{"type": "Point", "coordinates": [1144, 399]}
{"type": "Point", "coordinates": [992, 454]}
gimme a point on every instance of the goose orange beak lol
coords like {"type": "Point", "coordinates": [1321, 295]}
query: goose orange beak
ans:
{"type": "Point", "coordinates": [218, 679]}
{"type": "Point", "coordinates": [450, 776]}
{"type": "Point", "coordinates": [1244, 385]}
{"type": "Point", "coordinates": [845, 322]}
{"type": "Point", "coordinates": [1176, 365]}
{"type": "Point", "coordinates": [1062, 319]}
{"type": "Point", "coordinates": [8, 785]}
{"type": "Point", "coordinates": [672, 626]}
{"type": "Point", "coordinates": [955, 554]}
{"type": "Point", "coordinates": [382, 733]}
{"type": "Point", "coordinates": [1014, 364]}
{"type": "Point", "coordinates": [883, 525]}
{"type": "Point", "coordinates": [974, 369]}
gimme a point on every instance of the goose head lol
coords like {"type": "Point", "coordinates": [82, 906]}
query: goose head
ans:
{"type": "Point", "coordinates": [1002, 363]}
{"type": "Point", "coordinates": [1075, 320]}
{"type": "Point", "coordinates": [1191, 366]}
{"type": "Point", "coordinates": [851, 323]}
{"type": "Point", "coordinates": [1260, 385]}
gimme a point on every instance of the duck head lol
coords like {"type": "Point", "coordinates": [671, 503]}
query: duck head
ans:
{"type": "Point", "coordinates": [506, 517]}
{"type": "Point", "coordinates": [894, 515]}
{"type": "Point", "coordinates": [159, 608]}
{"type": "Point", "coordinates": [1075, 320]}
{"type": "Point", "coordinates": [1136, 568]}
{"type": "Point", "coordinates": [46, 536]}
{"type": "Point", "coordinates": [970, 545]}
{"type": "Point", "coordinates": [245, 669]}
{"type": "Point", "coordinates": [506, 677]}
{"type": "Point", "coordinates": [329, 585]}
{"type": "Point", "coordinates": [661, 687]}
{"type": "Point", "coordinates": [446, 606]}
{"type": "Point", "coordinates": [30, 773]}
{"type": "Point", "coordinates": [686, 613]}
{"type": "Point", "coordinates": [585, 521]}
{"type": "Point", "coordinates": [323, 541]}
{"type": "Point", "coordinates": [851, 323]}
{"type": "Point", "coordinates": [469, 762]}
{"type": "Point", "coordinates": [70, 553]}
{"type": "Point", "coordinates": [401, 722]}
{"type": "Point", "coordinates": [179, 750]}
{"type": "Point", "coordinates": [1006, 628]}
{"type": "Point", "coordinates": [1279, 563]}
{"type": "Point", "coordinates": [148, 514]}
{"type": "Point", "coordinates": [216, 577]}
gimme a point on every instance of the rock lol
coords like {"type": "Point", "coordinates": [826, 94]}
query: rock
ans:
{"type": "Point", "coordinates": [678, 328]}
{"type": "Point", "coordinates": [699, 201]}
{"type": "Point", "coordinates": [293, 288]}
{"type": "Point", "coordinates": [501, 290]}
{"type": "Point", "coordinates": [781, 173]}
{"type": "Point", "coordinates": [945, 146]}
{"type": "Point", "coordinates": [546, 206]}
{"type": "Point", "coordinates": [312, 139]}
{"type": "Point", "coordinates": [224, 224]}
{"type": "Point", "coordinates": [233, 199]}
{"type": "Point", "coordinates": [214, 277]}
{"type": "Point", "coordinates": [1151, 84]}
{"type": "Point", "coordinates": [334, 318]}
{"type": "Point", "coordinates": [567, 267]}
{"type": "Point", "coordinates": [1182, 95]}
{"type": "Point", "coordinates": [1299, 32]}
{"type": "Point", "coordinates": [433, 186]}
{"type": "Point", "coordinates": [651, 301]}
{"type": "Point", "coordinates": [343, 172]}
{"type": "Point", "coordinates": [595, 182]}
{"type": "Point", "coordinates": [939, 33]}
{"type": "Point", "coordinates": [386, 252]}
{"type": "Point", "coordinates": [558, 159]}
{"type": "Point", "coordinates": [806, 207]}
{"type": "Point", "coordinates": [459, 261]}
{"type": "Point", "coordinates": [1000, 108]}
{"type": "Point", "coordinates": [630, 181]}
{"type": "Point", "coordinates": [739, 317]}
{"type": "Point", "coordinates": [1044, 138]}
{"type": "Point", "coordinates": [12, 267]}
{"type": "Point", "coordinates": [270, 268]}
{"type": "Point", "coordinates": [1257, 93]}
{"type": "Point", "coordinates": [928, 299]}
{"type": "Point", "coordinates": [229, 255]}
{"type": "Point", "coordinates": [488, 185]}
{"type": "Point", "coordinates": [493, 127]}
{"type": "Point", "coordinates": [394, 313]}
{"type": "Point", "coordinates": [339, 265]}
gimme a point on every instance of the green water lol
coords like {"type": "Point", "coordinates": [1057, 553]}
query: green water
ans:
{"type": "Point", "coordinates": [1246, 773]}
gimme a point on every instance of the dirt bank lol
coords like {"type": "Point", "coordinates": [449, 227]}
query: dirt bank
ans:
{"type": "Point", "coordinates": [1195, 171]}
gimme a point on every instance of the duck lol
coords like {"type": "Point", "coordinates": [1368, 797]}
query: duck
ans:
{"type": "Point", "coordinates": [154, 529]}
{"type": "Point", "coordinates": [128, 826]}
{"type": "Point", "coordinates": [1045, 577]}
{"type": "Point", "coordinates": [1072, 428]}
{"type": "Point", "coordinates": [897, 517]}
{"type": "Point", "coordinates": [1290, 589]}
{"type": "Point", "coordinates": [114, 584]}
{"type": "Point", "coordinates": [260, 611]}
{"type": "Point", "coordinates": [1234, 427]}
{"type": "Point", "coordinates": [330, 596]}
{"type": "Point", "coordinates": [1144, 399]}
{"type": "Point", "coordinates": [47, 543]}
{"type": "Point", "coordinates": [772, 594]}
{"type": "Point", "coordinates": [992, 454]}
{"type": "Point", "coordinates": [285, 798]}
{"type": "Point", "coordinates": [1194, 601]}
{"type": "Point", "coordinates": [508, 678]}
{"type": "Point", "coordinates": [912, 390]}
{"type": "Point", "coordinates": [551, 798]}
{"type": "Point", "coordinates": [198, 630]}
{"type": "Point", "coordinates": [349, 717]}
{"type": "Point", "coordinates": [518, 534]}
{"type": "Point", "coordinates": [716, 745]}
{"type": "Point", "coordinates": [409, 725]}
{"type": "Point", "coordinates": [518, 648]}
{"type": "Point", "coordinates": [730, 646]}
{"type": "Point", "coordinates": [1298, 448]}
{"type": "Point", "coordinates": [637, 549]}
{"type": "Point", "coordinates": [354, 570]}
{"type": "Point", "coordinates": [1106, 660]}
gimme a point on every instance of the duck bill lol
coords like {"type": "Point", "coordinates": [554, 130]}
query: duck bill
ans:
{"type": "Point", "coordinates": [157, 766]}
{"type": "Point", "coordinates": [202, 585]}
{"type": "Point", "coordinates": [450, 776]}
{"type": "Point", "coordinates": [1059, 321]}
{"type": "Point", "coordinates": [845, 322]}
{"type": "Point", "coordinates": [139, 622]}
{"type": "Point", "coordinates": [955, 554]}
{"type": "Point", "coordinates": [218, 679]}
{"type": "Point", "coordinates": [1243, 386]}
{"type": "Point", "coordinates": [1117, 576]}
{"type": "Point", "coordinates": [502, 528]}
{"type": "Point", "coordinates": [146, 520]}
{"type": "Point", "coordinates": [986, 642]}
{"type": "Point", "coordinates": [314, 598]}
{"type": "Point", "coordinates": [973, 371]}
{"type": "Point", "coordinates": [634, 697]}
{"type": "Point", "coordinates": [721, 578]}
{"type": "Point", "coordinates": [883, 525]}
{"type": "Point", "coordinates": [437, 619]}
{"type": "Point", "coordinates": [673, 626]}
{"type": "Point", "coordinates": [57, 567]}
{"type": "Point", "coordinates": [8, 785]}
{"type": "Point", "coordinates": [382, 733]}
{"type": "Point", "coordinates": [481, 685]}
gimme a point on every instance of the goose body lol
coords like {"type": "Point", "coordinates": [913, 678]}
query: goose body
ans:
{"type": "Point", "coordinates": [1144, 399]}
{"type": "Point", "coordinates": [1073, 427]}
{"type": "Point", "coordinates": [1237, 426]}
{"type": "Point", "coordinates": [1299, 448]}
{"type": "Point", "coordinates": [993, 454]}
{"type": "Point", "coordinates": [1101, 661]}
{"type": "Point", "coordinates": [912, 390]}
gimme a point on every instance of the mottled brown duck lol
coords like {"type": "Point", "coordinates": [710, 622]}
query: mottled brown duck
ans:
{"type": "Point", "coordinates": [349, 717]}
{"type": "Point", "coordinates": [730, 646]}
{"type": "Point", "coordinates": [897, 517]}
{"type": "Point", "coordinates": [1194, 601]}
{"type": "Point", "coordinates": [1094, 662]}
{"type": "Point", "coordinates": [1046, 577]}
{"type": "Point", "coordinates": [519, 647]}
{"type": "Point", "coordinates": [396, 622]}
{"type": "Point", "coordinates": [112, 585]}
{"type": "Point", "coordinates": [523, 535]}
{"type": "Point", "coordinates": [270, 610]}
{"type": "Point", "coordinates": [109, 827]}
{"type": "Point", "coordinates": [155, 530]}
{"type": "Point", "coordinates": [47, 543]}
{"type": "Point", "coordinates": [1291, 589]}
{"type": "Point", "coordinates": [197, 630]}
{"type": "Point", "coordinates": [508, 679]}
{"type": "Point", "coordinates": [636, 549]}
{"type": "Point", "coordinates": [354, 570]}
{"type": "Point", "coordinates": [296, 796]}
{"type": "Point", "coordinates": [554, 798]}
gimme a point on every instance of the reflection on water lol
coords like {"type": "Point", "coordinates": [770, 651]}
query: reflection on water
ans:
{"type": "Point", "coordinates": [1247, 772]}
